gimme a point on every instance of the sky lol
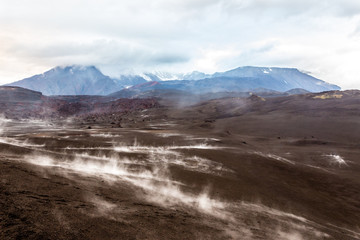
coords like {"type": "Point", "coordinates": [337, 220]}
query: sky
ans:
{"type": "Point", "coordinates": [120, 37]}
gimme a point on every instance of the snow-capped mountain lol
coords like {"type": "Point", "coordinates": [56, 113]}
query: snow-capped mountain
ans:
{"type": "Point", "coordinates": [166, 76]}
{"type": "Point", "coordinates": [244, 79]}
{"type": "Point", "coordinates": [88, 80]}
{"type": "Point", "coordinates": [195, 75]}
{"type": "Point", "coordinates": [70, 80]}
{"type": "Point", "coordinates": [279, 79]}
{"type": "Point", "coordinates": [163, 76]}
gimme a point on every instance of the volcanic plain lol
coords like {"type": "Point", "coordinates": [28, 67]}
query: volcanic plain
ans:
{"type": "Point", "coordinates": [87, 167]}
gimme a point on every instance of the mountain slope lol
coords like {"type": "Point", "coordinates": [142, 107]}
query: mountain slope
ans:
{"type": "Point", "coordinates": [243, 79]}
{"type": "Point", "coordinates": [280, 79]}
{"type": "Point", "coordinates": [70, 80]}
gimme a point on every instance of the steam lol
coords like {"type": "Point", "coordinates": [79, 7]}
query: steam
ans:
{"type": "Point", "coordinates": [196, 146]}
{"type": "Point", "coordinates": [206, 139]}
{"type": "Point", "coordinates": [136, 148]}
{"type": "Point", "coordinates": [164, 156]}
{"type": "Point", "coordinates": [3, 122]}
{"type": "Point", "coordinates": [103, 168]}
{"type": "Point", "coordinates": [153, 177]}
{"type": "Point", "coordinates": [259, 208]}
{"type": "Point", "coordinates": [103, 208]}
{"type": "Point", "coordinates": [12, 141]}
{"type": "Point", "coordinates": [104, 158]}
{"type": "Point", "coordinates": [168, 155]}
{"type": "Point", "coordinates": [275, 157]}
{"type": "Point", "coordinates": [144, 149]}
{"type": "Point", "coordinates": [283, 225]}
{"type": "Point", "coordinates": [290, 236]}
{"type": "Point", "coordinates": [18, 143]}
{"type": "Point", "coordinates": [156, 182]}
{"type": "Point", "coordinates": [164, 124]}
{"type": "Point", "coordinates": [105, 135]}
{"type": "Point", "coordinates": [336, 159]}
{"type": "Point", "coordinates": [169, 134]}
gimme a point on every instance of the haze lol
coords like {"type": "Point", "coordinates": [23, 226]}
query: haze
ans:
{"type": "Point", "coordinates": [181, 36]}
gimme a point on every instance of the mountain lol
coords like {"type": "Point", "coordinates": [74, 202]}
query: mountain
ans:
{"type": "Point", "coordinates": [242, 79]}
{"type": "Point", "coordinates": [245, 79]}
{"type": "Point", "coordinates": [70, 80]}
{"type": "Point", "coordinates": [130, 80]}
{"type": "Point", "coordinates": [88, 80]}
{"type": "Point", "coordinates": [164, 76]}
{"type": "Point", "coordinates": [279, 79]}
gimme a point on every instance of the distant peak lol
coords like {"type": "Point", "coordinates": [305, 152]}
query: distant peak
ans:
{"type": "Point", "coordinates": [196, 72]}
{"type": "Point", "coordinates": [75, 68]}
{"type": "Point", "coordinates": [265, 68]}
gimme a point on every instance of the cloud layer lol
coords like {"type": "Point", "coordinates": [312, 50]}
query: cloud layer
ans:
{"type": "Point", "coordinates": [180, 36]}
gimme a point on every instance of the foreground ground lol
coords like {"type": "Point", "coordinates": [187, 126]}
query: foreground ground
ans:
{"type": "Point", "coordinates": [232, 168]}
{"type": "Point", "coordinates": [160, 181]}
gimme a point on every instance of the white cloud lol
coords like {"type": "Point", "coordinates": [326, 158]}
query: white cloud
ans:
{"type": "Point", "coordinates": [209, 35]}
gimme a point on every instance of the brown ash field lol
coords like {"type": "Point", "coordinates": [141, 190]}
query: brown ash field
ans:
{"type": "Point", "coordinates": [231, 168]}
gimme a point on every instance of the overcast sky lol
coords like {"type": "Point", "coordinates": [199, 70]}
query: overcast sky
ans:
{"type": "Point", "coordinates": [321, 37]}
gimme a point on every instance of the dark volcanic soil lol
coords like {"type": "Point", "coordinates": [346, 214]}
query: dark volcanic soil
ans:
{"type": "Point", "coordinates": [282, 168]}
